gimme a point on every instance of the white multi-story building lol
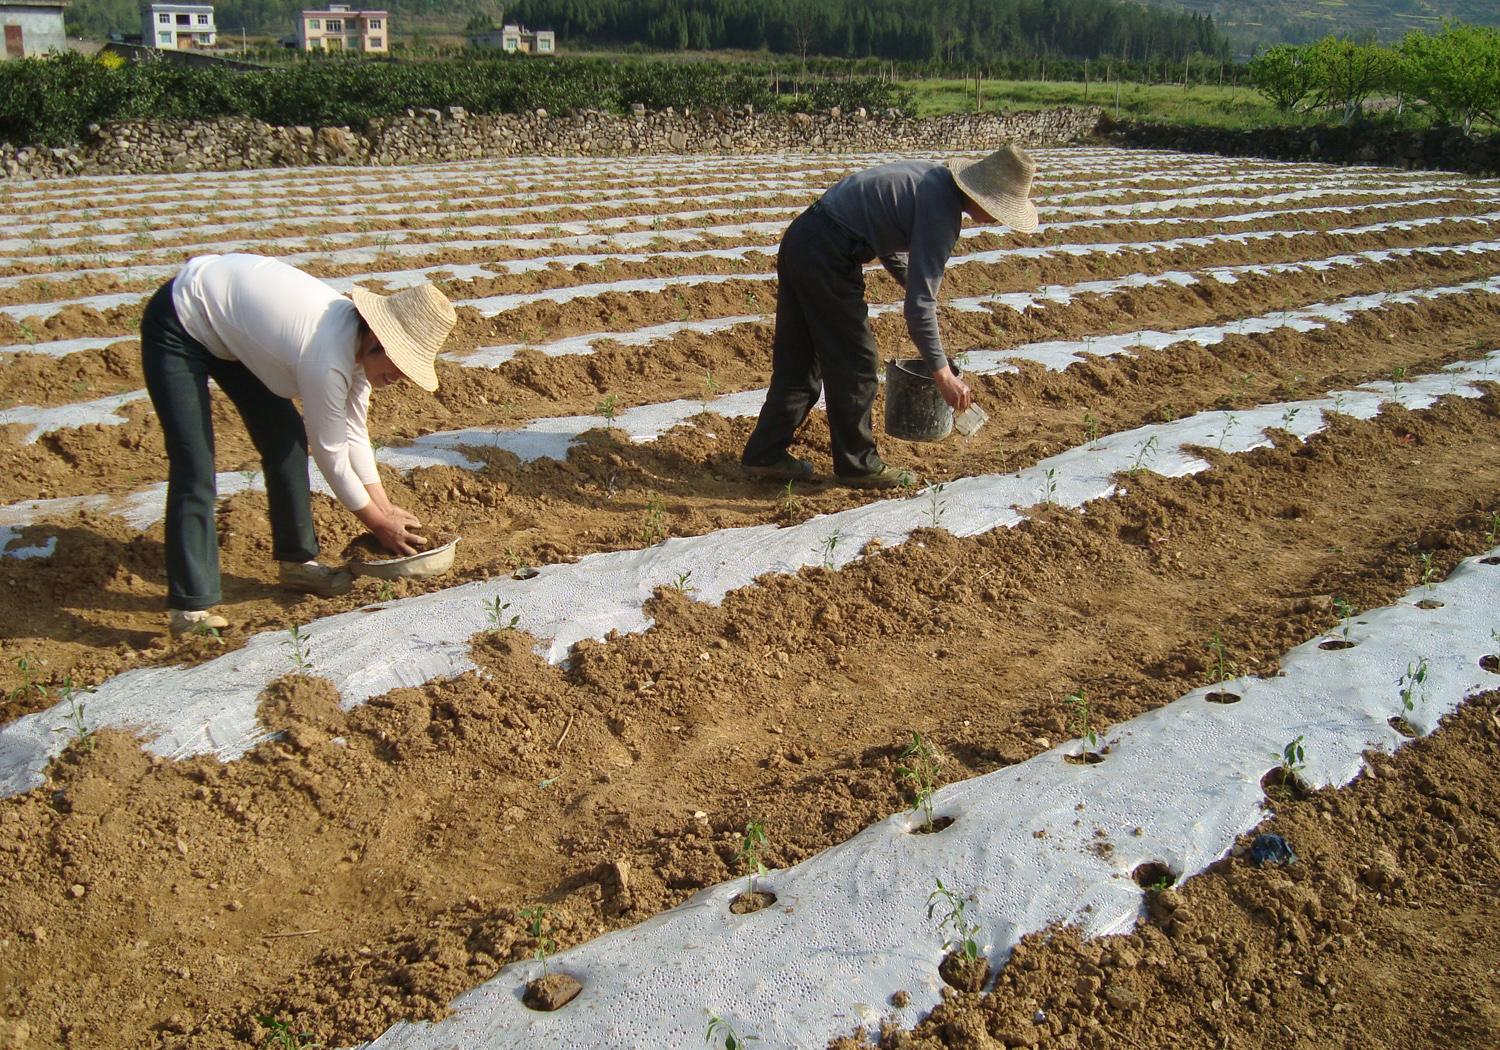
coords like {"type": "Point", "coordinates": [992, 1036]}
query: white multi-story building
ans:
{"type": "Point", "coordinates": [178, 27]}
{"type": "Point", "coordinates": [517, 39]}
{"type": "Point", "coordinates": [342, 28]}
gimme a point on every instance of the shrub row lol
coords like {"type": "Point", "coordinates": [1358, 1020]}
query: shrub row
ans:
{"type": "Point", "coordinates": [51, 101]}
{"type": "Point", "coordinates": [1453, 76]}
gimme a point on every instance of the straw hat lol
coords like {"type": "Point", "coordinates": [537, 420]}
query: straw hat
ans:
{"type": "Point", "coordinates": [1001, 185]}
{"type": "Point", "coordinates": [411, 325]}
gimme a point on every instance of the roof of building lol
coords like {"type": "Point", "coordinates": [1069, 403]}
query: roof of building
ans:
{"type": "Point", "coordinates": [308, 13]}
{"type": "Point", "coordinates": [59, 4]}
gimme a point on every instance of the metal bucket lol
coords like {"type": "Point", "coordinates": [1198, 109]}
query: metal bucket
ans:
{"type": "Point", "coordinates": [914, 407]}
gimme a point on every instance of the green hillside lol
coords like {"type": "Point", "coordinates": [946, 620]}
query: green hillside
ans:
{"type": "Point", "coordinates": [1252, 23]}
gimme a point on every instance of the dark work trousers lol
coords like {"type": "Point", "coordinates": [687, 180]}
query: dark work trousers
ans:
{"type": "Point", "coordinates": [177, 369]}
{"type": "Point", "coordinates": [823, 343]}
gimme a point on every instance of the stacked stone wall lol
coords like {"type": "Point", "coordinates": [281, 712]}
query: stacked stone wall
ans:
{"type": "Point", "coordinates": [422, 136]}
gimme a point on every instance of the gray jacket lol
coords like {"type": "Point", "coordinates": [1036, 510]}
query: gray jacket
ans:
{"type": "Point", "coordinates": [909, 215]}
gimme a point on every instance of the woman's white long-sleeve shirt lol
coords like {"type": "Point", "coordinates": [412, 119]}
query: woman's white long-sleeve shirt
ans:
{"type": "Point", "coordinates": [298, 336]}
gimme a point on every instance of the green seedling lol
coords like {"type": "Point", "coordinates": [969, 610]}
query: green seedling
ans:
{"type": "Point", "coordinates": [1398, 376]}
{"type": "Point", "coordinates": [1144, 454]}
{"type": "Point", "coordinates": [29, 689]}
{"type": "Point", "coordinates": [301, 649]}
{"type": "Point", "coordinates": [386, 591]}
{"type": "Point", "coordinates": [963, 933]}
{"type": "Point", "coordinates": [1293, 758]}
{"type": "Point", "coordinates": [826, 548]}
{"type": "Point", "coordinates": [606, 408]}
{"type": "Point", "coordinates": [1049, 486]}
{"type": "Point", "coordinates": [279, 1036]}
{"type": "Point", "coordinates": [28, 332]}
{"type": "Point", "coordinates": [76, 728]}
{"type": "Point", "coordinates": [1230, 422]}
{"type": "Point", "coordinates": [789, 502]}
{"type": "Point", "coordinates": [1338, 402]}
{"type": "Point", "coordinates": [1090, 427]}
{"type": "Point", "coordinates": [1413, 684]}
{"type": "Point", "coordinates": [919, 769]}
{"type": "Point", "coordinates": [500, 618]}
{"type": "Point", "coordinates": [935, 504]}
{"type": "Point", "coordinates": [752, 845]}
{"type": "Point", "coordinates": [1082, 720]}
{"type": "Point", "coordinates": [1161, 885]}
{"type": "Point", "coordinates": [1492, 534]}
{"type": "Point", "coordinates": [710, 387]}
{"type": "Point", "coordinates": [653, 524]}
{"type": "Point", "coordinates": [722, 1034]}
{"type": "Point", "coordinates": [1429, 571]}
{"type": "Point", "coordinates": [681, 583]}
{"type": "Point", "coordinates": [1346, 615]}
{"type": "Point", "coordinates": [541, 932]}
{"type": "Point", "coordinates": [1288, 417]}
{"type": "Point", "coordinates": [1224, 668]}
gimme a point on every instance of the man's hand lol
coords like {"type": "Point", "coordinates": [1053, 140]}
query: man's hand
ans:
{"type": "Point", "coordinates": [954, 390]}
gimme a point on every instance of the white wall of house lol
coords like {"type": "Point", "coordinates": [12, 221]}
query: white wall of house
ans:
{"type": "Point", "coordinates": [31, 29]}
{"type": "Point", "coordinates": [178, 27]}
{"type": "Point", "coordinates": [341, 28]}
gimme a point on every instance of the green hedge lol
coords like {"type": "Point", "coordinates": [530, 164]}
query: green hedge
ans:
{"type": "Point", "coordinates": [50, 101]}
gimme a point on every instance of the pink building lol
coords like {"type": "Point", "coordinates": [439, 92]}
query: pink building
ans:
{"type": "Point", "coordinates": [341, 28]}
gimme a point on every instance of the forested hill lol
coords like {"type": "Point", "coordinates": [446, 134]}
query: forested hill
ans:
{"type": "Point", "coordinates": [1251, 23]}
{"type": "Point", "coordinates": [920, 30]}
{"type": "Point", "coordinates": [956, 31]}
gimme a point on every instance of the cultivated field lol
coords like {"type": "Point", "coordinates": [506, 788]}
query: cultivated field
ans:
{"type": "Point", "coordinates": [1236, 407]}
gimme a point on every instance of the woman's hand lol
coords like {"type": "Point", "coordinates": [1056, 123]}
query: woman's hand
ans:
{"type": "Point", "coordinates": [398, 537]}
{"type": "Point", "coordinates": [394, 532]}
{"type": "Point", "coordinates": [954, 390]}
{"type": "Point", "coordinates": [405, 517]}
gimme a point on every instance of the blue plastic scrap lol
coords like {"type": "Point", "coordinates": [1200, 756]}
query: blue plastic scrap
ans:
{"type": "Point", "coordinates": [1271, 849]}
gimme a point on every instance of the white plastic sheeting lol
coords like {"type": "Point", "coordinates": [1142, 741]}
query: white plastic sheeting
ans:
{"type": "Point", "coordinates": [210, 708]}
{"type": "Point", "coordinates": [850, 928]}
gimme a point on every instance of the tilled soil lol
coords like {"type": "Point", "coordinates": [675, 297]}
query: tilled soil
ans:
{"type": "Point", "coordinates": [367, 866]}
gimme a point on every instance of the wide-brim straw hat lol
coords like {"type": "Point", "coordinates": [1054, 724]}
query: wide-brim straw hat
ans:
{"type": "Point", "coordinates": [1001, 185]}
{"type": "Point", "coordinates": [412, 326]}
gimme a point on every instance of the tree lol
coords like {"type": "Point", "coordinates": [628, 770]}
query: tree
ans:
{"type": "Point", "coordinates": [1284, 75]}
{"type": "Point", "coordinates": [1347, 73]}
{"type": "Point", "coordinates": [1456, 73]}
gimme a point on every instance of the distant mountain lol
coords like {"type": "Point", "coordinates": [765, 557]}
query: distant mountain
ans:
{"type": "Point", "coordinates": [1252, 23]}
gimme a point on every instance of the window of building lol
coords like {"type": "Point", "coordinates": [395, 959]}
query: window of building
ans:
{"type": "Point", "coordinates": [184, 20]}
{"type": "Point", "coordinates": [374, 23]}
{"type": "Point", "coordinates": [544, 45]}
{"type": "Point", "coordinates": [165, 20]}
{"type": "Point", "coordinates": [205, 38]}
{"type": "Point", "coordinates": [203, 20]}
{"type": "Point", "coordinates": [510, 43]}
{"type": "Point", "coordinates": [164, 38]}
{"type": "Point", "coordinates": [314, 23]}
{"type": "Point", "coordinates": [375, 43]}
{"type": "Point", "coordinates": [334, 25]}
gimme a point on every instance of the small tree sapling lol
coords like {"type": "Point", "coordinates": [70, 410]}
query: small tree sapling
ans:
{"type": "Point", "coordinates": [919, 769]}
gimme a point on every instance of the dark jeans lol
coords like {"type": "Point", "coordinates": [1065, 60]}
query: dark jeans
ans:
{"type": "Point", "coordinates": [177, 369]}
{"type": "Point", "coordinates": [823, 343]}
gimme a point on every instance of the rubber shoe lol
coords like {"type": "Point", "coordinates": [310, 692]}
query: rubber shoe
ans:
{"type": "Point", "coordinates": [787, 468]}
{"type": "Point", "coordinates": [311, 577]}
{"type": "Point", "coordinates": [886, 477]}
{"type": "Point", "coordinates": [195, 621]}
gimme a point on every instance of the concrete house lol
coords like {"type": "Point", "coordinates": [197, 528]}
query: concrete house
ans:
{"type": "Point", "coordinates": [178, 27]}
{"type": "Point", "coordinates": [342, 28]}
{"type": "Point", "coordinates": [517, 39]}
{"type": "Point", "coordinates": [32, 27]}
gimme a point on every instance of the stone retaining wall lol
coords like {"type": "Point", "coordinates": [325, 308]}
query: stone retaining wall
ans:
{"type": "Point", "coordinates": [1447, 149]}
{"type": "Point", "coordinates": [419, 136]}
